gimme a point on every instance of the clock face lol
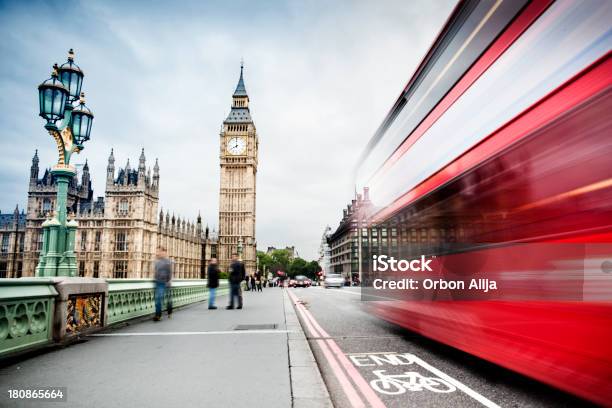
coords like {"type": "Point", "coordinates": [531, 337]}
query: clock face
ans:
{"type": "Point", "coordinates": [236, 145]}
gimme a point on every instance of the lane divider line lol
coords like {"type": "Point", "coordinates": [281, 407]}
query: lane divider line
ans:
{"type": "Point", "coordinates": [375, 352]}
{"type": "Point", "coordinates": [368, 295]}
{"type": "Point", "coordinates": [196, 333]}
{"type": "Point", "coordinates": [480, 398]}
{"type": "Point", "coordinates": [362, 385]}
{"type": "Point", "coordinates": [347, 387]}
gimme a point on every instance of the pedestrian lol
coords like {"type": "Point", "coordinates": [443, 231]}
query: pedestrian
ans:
{"type": "Point", "coordinates": [236, 276]}
{"type": "Point", "coordinates": [258, 282]}
{"type": "Point", "coordinates": [163, 277]}
{"type": "Point", "coordinates": [213, 282]}
{"type": "Point", "coordinates": [253, 284]}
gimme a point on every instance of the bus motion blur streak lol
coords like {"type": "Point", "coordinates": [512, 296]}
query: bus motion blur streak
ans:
{"type": "Point", "coordinates": [517, 188]}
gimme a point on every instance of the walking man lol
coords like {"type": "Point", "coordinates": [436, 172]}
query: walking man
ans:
{"type": "Point", "coordinates": [236, 276]}
{"type": "Point", "coordinates": [163, 277]}
{"type": "Point", "coordinates": [258, 281]}
{"type": "Point", "coordinates": [213, 282]}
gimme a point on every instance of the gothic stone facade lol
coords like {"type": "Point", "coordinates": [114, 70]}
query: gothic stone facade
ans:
{"type": "Point", "coordinates": [117, 234]}
{"type": "Point", "coordinates": [238, 156]}
{"type": "Point", "coordinates": [344, 242]}
{"type": "Point", "coordinates": [12, 240]}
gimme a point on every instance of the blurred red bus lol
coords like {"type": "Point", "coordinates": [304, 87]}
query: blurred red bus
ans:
{"type": "Point", "coordinates": [497, 159]}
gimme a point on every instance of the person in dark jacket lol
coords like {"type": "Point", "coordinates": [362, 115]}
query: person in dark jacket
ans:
{"type": "Point", "coordinates": [236, 276]}
{"type": "Point", "coordinates": [213, 282]}
{"type": "Point", "coordinates": [163, 277]}
{"type": "Point", "coordinates": [258, 281]}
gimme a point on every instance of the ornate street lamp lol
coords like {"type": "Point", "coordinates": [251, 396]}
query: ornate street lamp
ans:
{"type": "Point", "coordinates": [71, 76]}
{"type": "Point", "coordinates": [82, 118]}
{"type": "Point", "coordinates": [56, 98]}
{"type": "Point", "coordinates": [52, 96]}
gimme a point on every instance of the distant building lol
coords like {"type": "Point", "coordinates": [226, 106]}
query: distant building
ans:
{"type": "Point", "coordinates": [117, 235]}
{"type": "Point", "coordinates": [325, 251]}
{"type": "Point", "coordinates": [290, 249]}
{"type": "Point", "coordinates": [344, 241]}
{"type": "Point", "coordinates": [12, 238]}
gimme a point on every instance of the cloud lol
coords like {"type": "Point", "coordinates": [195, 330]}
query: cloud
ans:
{"type": "Point", "coordinates": [321, 77]}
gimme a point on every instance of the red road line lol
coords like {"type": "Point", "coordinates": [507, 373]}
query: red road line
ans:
{"type": "Point", "coordinates": [350, 391]}
{"type": "Point", "coordinates": [357, 378]}
{"type": "Point", "coordinates": [345, 383]}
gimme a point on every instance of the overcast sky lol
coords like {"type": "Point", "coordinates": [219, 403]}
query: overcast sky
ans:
{"type": "Point", "coordinates": [321, 76]}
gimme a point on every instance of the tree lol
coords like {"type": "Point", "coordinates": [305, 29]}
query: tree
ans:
{"type": "Point", "coordinates": [297, 267]}
{"type": "Point", "coordinates": [280, 260]}
{"type": "Point", "coordinates": [265, 261]}
{"type": "Point", "coordinates": [311, 270]}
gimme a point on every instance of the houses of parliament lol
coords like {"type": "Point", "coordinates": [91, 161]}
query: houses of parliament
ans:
{"type": "Point", "coordinates": [118, 234]}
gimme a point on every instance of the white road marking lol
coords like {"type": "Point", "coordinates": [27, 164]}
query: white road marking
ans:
{"type": "Point", "coordinates": [378, 352]}
{"type": "Point", "coordinates": [397, 380]}
{"type": "Point", "coordinates": [351, 292]}
{"type": "Point", "coordinates": [196, 333]}
{"type": "Point", "coordinates": [480, 398]}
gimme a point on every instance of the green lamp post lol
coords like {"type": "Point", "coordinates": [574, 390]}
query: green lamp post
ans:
{"type": "Point", "coordinates": [69, 123]}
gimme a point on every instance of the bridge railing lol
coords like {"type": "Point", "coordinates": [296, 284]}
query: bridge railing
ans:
{"type": "Point", "coordinates": [26, 313]}
{"type": "Point", "coordinates": [35, 312]}
{"type": "Point", "coordinates": [131, 298]}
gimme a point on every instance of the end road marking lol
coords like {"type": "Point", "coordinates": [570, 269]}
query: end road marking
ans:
{"type": "Point", "coordinates": [378, 359]}
{"type": "Point", "coordinates": [362, 385]}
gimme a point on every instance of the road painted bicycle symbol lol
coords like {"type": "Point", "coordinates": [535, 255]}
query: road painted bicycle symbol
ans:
{"type": "Point", "coordinates": [409, 381]}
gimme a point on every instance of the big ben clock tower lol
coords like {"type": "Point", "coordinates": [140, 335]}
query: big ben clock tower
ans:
{"type": "Point", "coordinates": [238, 154]}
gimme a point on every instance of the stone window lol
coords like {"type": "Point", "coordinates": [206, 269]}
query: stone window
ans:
{"type": "Point", "coordinates": [83, 241]}
{"type": "Point", "coordinates": [124, 207]}
{"type": "Point", "coordinates": [46, 206]}
{"type": "Point", "coordinates": [39, 241]}
{"type": "Point", "coordinates": [5, 243]}
{"type": "Point", "coordinates": [120, 269]}
{"type": "Point", "coordinates": [121, 241]}
{"type": "Point", "coordinates": [97, 240]}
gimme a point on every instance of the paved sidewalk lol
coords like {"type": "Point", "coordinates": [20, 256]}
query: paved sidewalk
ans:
{"type": "Point", "coordinates": [195, 359]}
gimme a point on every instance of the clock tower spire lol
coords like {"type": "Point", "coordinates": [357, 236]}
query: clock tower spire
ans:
{"type": "Point", "coordinates": [238, 158]}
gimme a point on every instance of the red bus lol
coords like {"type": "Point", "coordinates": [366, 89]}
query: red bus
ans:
{"type": "Point", "coordinates": [496, 159]}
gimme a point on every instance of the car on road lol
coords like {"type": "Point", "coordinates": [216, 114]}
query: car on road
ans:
{"type": "Point", "coordinates": [334, 280]}
{"type": "Point", "coordinates": [302, 281]}
{"type": "Point", "coordinates": [291, 283]}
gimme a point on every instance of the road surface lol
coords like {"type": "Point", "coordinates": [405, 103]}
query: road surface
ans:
{"type": "Point", "coordinates": [336, 325]}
